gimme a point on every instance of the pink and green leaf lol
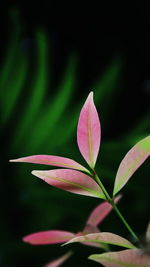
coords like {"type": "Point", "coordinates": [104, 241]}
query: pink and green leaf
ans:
{"type": "Point", "coordinates": [72, 181]}
{"type": "Point", "coordinates": [53, 161]}
{"type": "Point", "coordinates": [103, 238]}
{"type": "Point", "coordinates": [58, 262]}
{"type": "Point", "coordinates": [100, 212]}
{"type": "Point", "coordinates": [131, 162]}
{"type": "Point", "coordinates": [125, 258]}
{"type": "Point", "coordinates": [89, 131]}
{"type": "Point", "coordinates": [48, 237]}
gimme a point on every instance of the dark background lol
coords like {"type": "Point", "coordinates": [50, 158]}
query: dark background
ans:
{"type": "Point", "coordinates": [61, 57]}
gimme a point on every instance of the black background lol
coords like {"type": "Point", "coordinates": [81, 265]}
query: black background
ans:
{"type": "Point", "coordinates": [96, 35]}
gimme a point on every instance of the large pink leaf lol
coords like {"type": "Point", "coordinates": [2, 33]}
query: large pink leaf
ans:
{"type": "Point", "coordinates": [58, 262]}
{"type": "Point", "coordinates": [100, 212]}
{"type": "Point", "coordinates": [48, 237]}
{"type": "Point", "coordinates": [89, 132]}
{"type": "Point", "coordinates": [131, 162]}
{"type": "Point", "coordinates": [106, 238]}
{"type": "Point", "coordinates": [52, 160]}
{"type": "Point", "coordinates": [72, 181]}
{"type": "Point", "coordinates": [125, 258]}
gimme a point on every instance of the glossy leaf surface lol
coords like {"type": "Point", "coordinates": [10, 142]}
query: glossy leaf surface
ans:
{"type": "Point", "coordinates": [72, 181]}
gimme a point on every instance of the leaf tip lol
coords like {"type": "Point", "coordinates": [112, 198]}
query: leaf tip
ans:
{"type": "Point", "coordinates": [13, 160]}
{"type": "Point", "coordinates": [34, 172]}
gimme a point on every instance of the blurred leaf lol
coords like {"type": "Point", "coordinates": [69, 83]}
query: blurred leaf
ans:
{"type": "Point", "coordinates": [10, 55]}
{"type": "Point", "coordinates": [48, 119]}
{"type": "Point", "coordinates": [13, 88]}
{"type": "Point", "coordinates": [38, 90]}
{"type": "Point", "coordinates": [59, 261]}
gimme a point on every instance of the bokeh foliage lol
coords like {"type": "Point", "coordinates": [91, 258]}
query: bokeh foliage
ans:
{"type": "Point", "coordinates": [38, 117]}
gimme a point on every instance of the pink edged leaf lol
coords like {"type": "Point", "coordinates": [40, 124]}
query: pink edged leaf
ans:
{"type": "Point", "coordinates": [131, 162]}
{"type": "Point", "coordinates": [100, 212]}
{"type": "Point", "coordinates": [89, 131]}
{"type": "Point", "coordinates": [48, 237]}
{"type": "Point", "coordinates": [53, 161]}
{"type": "Point", "coordinates": [72, 181]}
{"type": "Point", "coordinates": [102, 238]}
{"type": "Point", "coordinates": [58, 262]}
{"type": "Point", "coordinates": [125, 258]}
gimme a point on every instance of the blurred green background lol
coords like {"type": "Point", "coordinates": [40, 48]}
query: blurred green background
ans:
{"type": "Point", "coordinates": [47, 70]}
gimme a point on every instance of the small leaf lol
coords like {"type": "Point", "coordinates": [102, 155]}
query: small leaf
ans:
{"type": "Point", "coordinates": [106, 238]}
{"type": "Point", "coordinates": [131, 162]}
{"type": "Point", "coordinates": [89, 132]}
{"type": "Point", "coordinates": [58, 262]}
{"type": "Point", "coordinates": [100, 212]}
{"type": "Point", "coordinates": [52, 160]}
{"type": "Point", "coordinates": [48, 237]}
{"type": "Point", "coordinates": [72, 181]}
{"type": "Point", "coordinates": [125, 258]}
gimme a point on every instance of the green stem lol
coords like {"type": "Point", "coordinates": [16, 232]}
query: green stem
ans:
{"type": "Point", "coordinates": [125, 222]}
{"type": "Point", "coordinates": [111, 201]}
{"type": "Point", "coordinates": [103, 188]}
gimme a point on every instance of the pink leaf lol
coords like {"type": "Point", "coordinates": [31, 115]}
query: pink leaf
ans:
{"type": "Point", "coordinates": [128, 258]}
{"type": "Point", "coordinates": [52, 160]}
{"type": "Point", "coordinates": [106, 238]}
{"type": "Point", "coordinates": [48, 237]}
{"type": "Point", "coordinates": [131, 162]}
{"type": "Point", "coordinates": [100, 212]}
{"type": "Point", "coordinates": [89, 132]}
{"type": "Point", "coordinates": [72, 181]}
{"type": "Point", "coordinates": [58, 262]}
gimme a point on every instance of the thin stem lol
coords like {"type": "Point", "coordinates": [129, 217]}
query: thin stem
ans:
{"type": "Point", "coordinates": [111, 201]}
{"type": "Point", "coordinates": [103, 188]}
{"type": "Point", "coordinates": [125, 222]}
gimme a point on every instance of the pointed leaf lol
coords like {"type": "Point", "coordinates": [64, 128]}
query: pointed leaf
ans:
{"type": "Point", "coordinates": [131, 162]}
{"type": "Point", "coordinates": [106, 238]}
{"type": "Point", "coordinates": [89, 132]}
{"type": "Point", "coordinates": [58, 262]}
{"type": "Point", "coordinates": [52, 160]}
{"type": "Point", "coordinates": [125, 258]}
{"type": "Point", "coordinates": [72, 181]}
{"type": "Point", "coordinates": [48, 237]}
{"type": "Point", "coordinates": [100, 212]}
